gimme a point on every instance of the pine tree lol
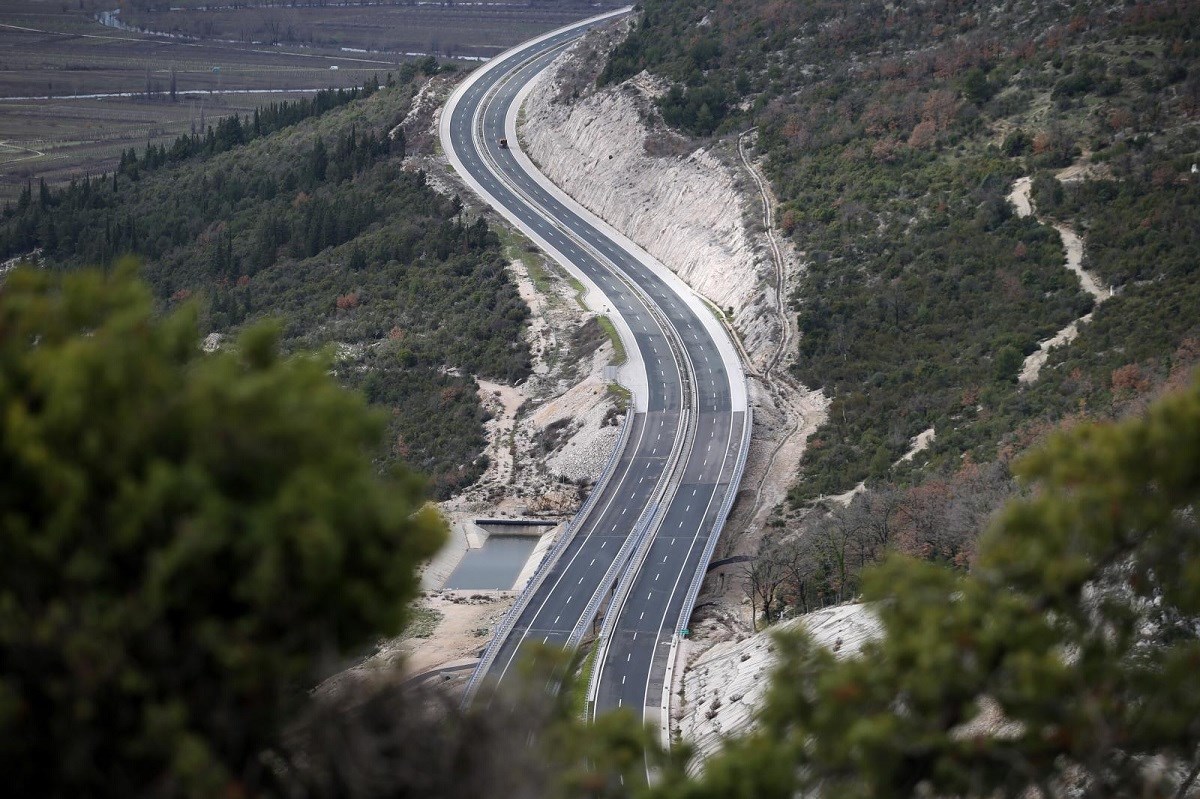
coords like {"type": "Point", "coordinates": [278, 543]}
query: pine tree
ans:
{"type": "Point", "coordinates": [187, 540]}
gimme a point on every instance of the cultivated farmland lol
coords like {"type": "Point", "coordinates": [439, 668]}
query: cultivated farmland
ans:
{"type": "Point", "coordinates": [75, 93]}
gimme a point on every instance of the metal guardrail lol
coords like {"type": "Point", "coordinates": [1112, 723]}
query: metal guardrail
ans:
{"type": "Point", "coordinates": [686, 429]}
{"type": "Point", "coordinates": [722, 516]}
{"type": "Point", "coordinates": [631, 543]}
{"type": "Point", "coordinates": [689, 604]}
{"type": "Point", "coordinates": [505, 627]}
{"type": "Point", "coordinates": [697, 579]}
{"type": "Point", "coordinates": [645, 537]}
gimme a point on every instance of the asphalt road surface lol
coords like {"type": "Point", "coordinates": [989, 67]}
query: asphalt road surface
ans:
{"type": "Point", "coordinates": [681, 461]}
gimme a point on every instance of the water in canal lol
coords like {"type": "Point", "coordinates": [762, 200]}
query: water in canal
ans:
{"type": "Point", "coordinates": [494, 566]}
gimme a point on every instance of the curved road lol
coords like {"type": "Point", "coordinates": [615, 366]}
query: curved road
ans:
{"type": "Point", "coordinates": [647, 535]}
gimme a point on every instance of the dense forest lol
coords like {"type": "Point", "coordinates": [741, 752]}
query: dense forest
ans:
{"type": "Point", "coordinates": [306, 213]}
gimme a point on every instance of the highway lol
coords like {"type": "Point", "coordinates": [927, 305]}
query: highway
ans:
{"type": "Point", "coordinates": [640, 544]}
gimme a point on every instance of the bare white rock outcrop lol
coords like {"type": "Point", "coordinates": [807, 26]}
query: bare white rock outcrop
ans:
{"type": "Point", "coordinates": [683, 205]}
{"type": "Point", "coordinates": [1022, 202]}
{"type": "Point", "coordinates": [724, 687]}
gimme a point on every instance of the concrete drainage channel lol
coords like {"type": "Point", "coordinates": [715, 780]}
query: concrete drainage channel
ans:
{"type": "Point", "coordinates": [547, 563]}
{"type": "Point", "coordinates": [499, 554]}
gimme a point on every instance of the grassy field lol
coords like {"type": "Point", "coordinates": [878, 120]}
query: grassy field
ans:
{"type": "Point", "coordinates": [75, 93]}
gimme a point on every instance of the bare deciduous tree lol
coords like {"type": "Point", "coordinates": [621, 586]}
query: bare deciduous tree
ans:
{"type": "Point", "coordinates": [763, 577]}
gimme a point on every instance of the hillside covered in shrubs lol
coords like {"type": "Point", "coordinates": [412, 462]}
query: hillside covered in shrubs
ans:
{"type": "Point", "coordinates": [306, 213]}
{"type": "Point", "coordinates": [893, 135]}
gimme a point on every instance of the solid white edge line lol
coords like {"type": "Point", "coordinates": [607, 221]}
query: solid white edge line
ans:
{"type": "Point", "coordinates": [729, 354]}
{"type": "Point", "coordinates": [633, 353]}
{"type": "Point", "coordinates": [739, 400]}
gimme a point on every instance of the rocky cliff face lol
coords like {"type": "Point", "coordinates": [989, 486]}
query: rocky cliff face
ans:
{"type": "Point", "coordinates": [682, 204]}
{"type": "Point", "coordinates": [723, 687]}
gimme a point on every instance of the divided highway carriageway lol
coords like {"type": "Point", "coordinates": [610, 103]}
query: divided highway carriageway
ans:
{"type": "Point", "coordinates": [639, 546]}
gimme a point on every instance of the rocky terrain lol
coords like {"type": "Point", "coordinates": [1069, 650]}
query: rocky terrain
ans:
{"type": "Point", "coordinates": [682, 204]}
{"type": "Point", "coordinates": [722, 686]}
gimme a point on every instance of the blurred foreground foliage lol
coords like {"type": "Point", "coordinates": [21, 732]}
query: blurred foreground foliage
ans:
{"type": "Point", "coordinates": [186, 540]}
{"type": "Point", "coordinates": [1063, 664]}
{"type": "Point", "coordinates": [376, 736]}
